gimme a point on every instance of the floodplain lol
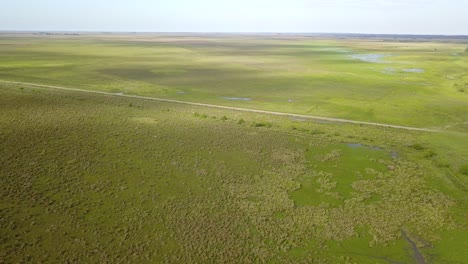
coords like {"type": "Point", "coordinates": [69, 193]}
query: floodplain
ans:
{"type": "Point", "coordinates": [105, 178]}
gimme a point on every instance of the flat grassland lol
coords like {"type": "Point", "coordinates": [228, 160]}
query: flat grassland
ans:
{"type": "Point", "coordinates": [404, 83]}
{"type": "Point", "coordinates": [90, 178]}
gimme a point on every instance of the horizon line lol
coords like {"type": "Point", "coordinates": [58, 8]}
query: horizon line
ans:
{"type": "Point", "coordinates": [228, 32]}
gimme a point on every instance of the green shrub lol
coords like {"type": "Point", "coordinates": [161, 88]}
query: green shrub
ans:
{"type": "Point", "coordinates": [417, 146]}
{"type": "Point", "coordinates": [442, 164]}
{"type": "Point", "coordinates": [196, 114]}
{"type": "Point", "coordinates": [464, 169]}
{"type": "Point", "coordinates": [316, 132]}
{"type": "Point", "coordinates": [430, 154]}
{"type": "Point", "coordinates": [262, 124]}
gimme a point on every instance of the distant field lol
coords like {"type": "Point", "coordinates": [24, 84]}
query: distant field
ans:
{"type": "Point", "coordinates": [91, 178]}
{"type": "Point", "coordinates": [423, 84]}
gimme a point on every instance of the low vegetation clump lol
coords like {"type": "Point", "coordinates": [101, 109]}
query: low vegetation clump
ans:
{"type": "Point", "coordinates": [262, 124]}
{"type": "Point", "coordinates": [418, 146]}
{"type": "Point", "coordinates": [464, 169]}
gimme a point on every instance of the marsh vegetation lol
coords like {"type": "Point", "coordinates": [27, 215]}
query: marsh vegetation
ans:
{"type": "Point", "coordinates": [93, 178]}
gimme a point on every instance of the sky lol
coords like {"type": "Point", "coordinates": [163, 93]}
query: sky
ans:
{"type": "Point", "coordinates": [445, 17]}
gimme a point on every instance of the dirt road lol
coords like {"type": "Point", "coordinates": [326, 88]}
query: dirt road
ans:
{"type": "Point", "coordinates": [329, 119]}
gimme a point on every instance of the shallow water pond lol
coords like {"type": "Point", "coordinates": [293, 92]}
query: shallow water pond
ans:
{"type": "Point", "coordinates": [414, 70]}
{"type": "Point", "coordinates": [389, 70]}
{"type": "Point", "coordinates": [374, 58]}
{"type": "Point", "coordinates": [237, 98]}
{"type": "Point", "coordinates": [358, 145]}
{"type": "Point", "coordinates": [393, 154]}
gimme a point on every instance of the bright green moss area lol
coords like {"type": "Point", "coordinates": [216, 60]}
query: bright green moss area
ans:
{"type": "Point", "coordinates": [423, 84]}
{"type": "Point", "coordinates": [93, 178]}
{"type": "Point", "coordinates": [335, 168]}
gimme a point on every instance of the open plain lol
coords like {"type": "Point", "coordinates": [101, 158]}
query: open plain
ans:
{"type": "Point", "coordinates": [98, 173]}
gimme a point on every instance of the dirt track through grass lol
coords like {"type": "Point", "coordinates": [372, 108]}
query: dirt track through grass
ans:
{"type": "Point", "coordinates": [330, 119]}
{"type": "Point", "coordinates": [418, 257]}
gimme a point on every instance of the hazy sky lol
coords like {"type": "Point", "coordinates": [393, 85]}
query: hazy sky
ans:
{"type": "Point", "coordinates": [350, 16]}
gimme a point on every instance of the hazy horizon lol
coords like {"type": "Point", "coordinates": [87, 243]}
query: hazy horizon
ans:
{"type": "Point", "coordinates": [225, 33]}
{"type": "Point", "coordinates": [418, 17]}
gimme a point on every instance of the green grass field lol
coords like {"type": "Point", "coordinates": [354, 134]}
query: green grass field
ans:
{"type": "Point", "coordinates": [89, 178]}
{"type": "Point", "coordinates": [415, 83]}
